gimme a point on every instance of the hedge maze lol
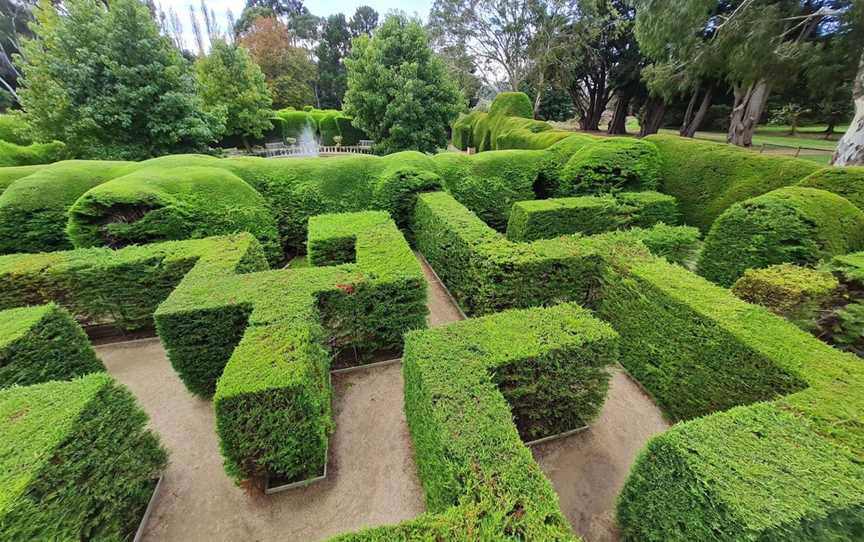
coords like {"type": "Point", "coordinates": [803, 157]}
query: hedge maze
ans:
{"type": "Point", "coordinates": [571, 253]}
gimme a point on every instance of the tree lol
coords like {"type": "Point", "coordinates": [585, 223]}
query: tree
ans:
{"type": "Point", "coordinates": [232, 89]}
{"type": "Point", "coordinates": [462, 70]}
{"type": "Point", "coordinates": [364, 21]}
{"type": "Point", "coordinates": [334, 45]}
{"type": "Point", "coordinates": [288, 70]}
{"type": "Point", "coordinates": [108, 85]}
{"type": "Point", "coordinates": [398, 89]}
{"type": "Point", "coordinates": [15, 15]}
{"type": "Point", "coordinates": [850, 150]}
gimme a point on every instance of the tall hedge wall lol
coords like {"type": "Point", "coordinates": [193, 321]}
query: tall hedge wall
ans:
{"type": "Point", "coordinates": [43, 343]}
{"type": "Point", "coordinates": [794, 224]}
{"type": "Point", "coordinates": [76, 461]}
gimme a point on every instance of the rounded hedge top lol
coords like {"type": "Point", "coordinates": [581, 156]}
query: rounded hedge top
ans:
{"type": "Point", "coordinates": [611, 165]}
{"type": "Point", "coordinates": [843, 181]}
{"type": "Point", "coordinates": [794, 224]}
{"type": "Point", "coordinates": [512, 104]}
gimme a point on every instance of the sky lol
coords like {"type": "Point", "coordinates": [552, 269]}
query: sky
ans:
{"type": "Point", "coordinates": [321, 8]}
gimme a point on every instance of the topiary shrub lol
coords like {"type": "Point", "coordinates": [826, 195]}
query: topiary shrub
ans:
{"type": "Point", "coordinates": [156, 204]}
{"type": "Point", "coordinates": [843, 181]}
{"type": "Point", "coordinates": [43, 343]}
{"type": "Point", "coordinates": [295, 122]}
{"type": "Point", "coordinates": [76, 461]}
{"type": "Point", "coordinates": [351, 135]}
{"type": "Point", "coordinates": [463, 129]}
{"type": "Point", "coordinates": [789, 225]}
{"type": "Point", "coordinates": [611, 165]}
{"type": "Point", "coordinates": [328, 128]}
{"type": "Point", "coordinates": [36, 153]}
{"type": "Point", "coordinates": [707, 177]}
{"type": "Point", "coordinates": [14, 129]}
{"type": "Point", "coordinates": [793, 292]}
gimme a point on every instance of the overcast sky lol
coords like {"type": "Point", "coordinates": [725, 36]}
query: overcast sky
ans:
{"type": "Point", "coordinates": [322, 8]}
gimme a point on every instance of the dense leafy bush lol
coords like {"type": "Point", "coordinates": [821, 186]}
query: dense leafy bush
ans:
{"type": "Point", "coordinates": [162, 204]}
{"type": "Point", "coordinates": [26, 155]}
{"type": "Point", "coordinates": [544, 219]}
{"type": "Point", "coordinates": [15, 129]}
{"type": "Point", "coordinates": [843, 181]}
{"type": "Point", "coordinates": [76, 461]}
{"type": "Point", "coordinates": [43, 343]}
{"type": "Point", "coordinates": [793, 224]}
{"type": "Point", "coordinates": [796, 293]}
{"type": "Point", "coordinates": [328, 128]}
{"type": "Point", "coordinates": [294, 122]}
{"type": "Point", "coordinates": [707, 178]}
{"type": "Point", "coordinates": [612, 165]}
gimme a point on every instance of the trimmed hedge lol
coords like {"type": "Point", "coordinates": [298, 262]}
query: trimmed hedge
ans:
{"type": "Point", "coordinates": [76, 461]}
{"type": "Point", "coordinates": [121, 287]}
{"type": "Point", "coordinates": [793, 292]}
{"type": "Point", "coordinates": [787, 470]}
{"type": "Point", "coordinates": [707, 177]}
{"type": "Point", "coordinates": [14, 129]}
{"type": "Point", "coordinates": [544, 219]}
{"type": "Point", "coordinates": [280, 322]}
{"type": "Point", "coordinates": [158, 204]}
{"type": "Point", "coordinates": [8, 175]}
{"type": "Point", "coordinates": [328, 128]}
{"type": "Point", "coordinates": [612, 165]}
{"type": "Point", "coordinates": [35, 153]}
{"type": "Point", "coordinates": [43, 343]}
{"type": "Point", "coordinates": [789, 225]}
{"type": "Point", "coordinates": [843, 181]}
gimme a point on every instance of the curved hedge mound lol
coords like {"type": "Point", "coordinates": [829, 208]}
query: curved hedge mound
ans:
{"type": "Point", "coordinates": [707, 177]}
{"type": "Point", "coordinates": [26, 155]}
{"type": "Point", "coordinates": [843, 181]}
{"type": "Point", "coordinates": [77, 461]}
{"type": "Point", "coordinates": [794, 224]}
{"type": "Point", "coordinates": [14, 129]}
{"type": "Point", "coordinates": [156, 204]}
{"type": "Point", "coordinates": [611, 165]}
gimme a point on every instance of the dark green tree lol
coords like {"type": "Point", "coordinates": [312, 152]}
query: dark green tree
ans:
{"type": "Point", "coordinates": [108, 85]}
{"type": "Point", "coordinates": [399, 91]}
{"type": "Point", "coordinates": [364, 21]}
{"type": "Point", "coordinates": [334, 45]}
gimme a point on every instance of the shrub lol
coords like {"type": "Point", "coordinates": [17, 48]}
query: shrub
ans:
{"type": "Point", "coordinates": [707, 178]}
{"type": "Point", "coordinates": [544, 219]}
{"type": "Point", "coordinates": [789, 225]}
{"type": "Point", "coordinates": [43, 343]}
{"type": "Point", "coordinates": [350, 134]}
{"type": "Point", "coordinates": [612, 165]}
{"type": "Point", "coordinates": [14, 129]}
{"type": "Point", "coordinates": [8, 175]}
{"type": "Point", "coordinates": [328, 128]}
{"type": "Point", "coordinates": [294, 122]}
{"type": "Point", "coordinates": [26, 155]}
{"type": "Point", "coordinates": [159, 204]}
{"type": "Point", "coordinates": [463, 128]}
{"type": "Point", "coordinates": [796, 293]}
{"type": "Point", "coordinates": [843, 181]}
{"type": "Point", "coordinates": [677, 244]}
{"type": "Point", "coordinates": [78, 462]}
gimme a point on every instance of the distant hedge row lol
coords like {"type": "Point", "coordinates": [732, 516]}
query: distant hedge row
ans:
{"type": "Point", "coordinates": [17, 147]}
{"type": "Point", "coordinates": [325, 124]}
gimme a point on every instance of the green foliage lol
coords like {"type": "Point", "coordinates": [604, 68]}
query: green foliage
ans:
{"type": "Point", "coordinates": [14, 128]}
{"type": "Point", "coordinates": [43, 343]}
{"type": "Point", "coordinates": [796, 293]}
{"type": "Point", "coordinates": [351, 135]}
{"type": "Point", "coordinates": [164, 204]}
{"type": "Point", "coordinates": [35, 153]}
{"type": "Point", "coordinates": [294, 122]}
{"type": "Point", "coordinates": [333, 46]}
{"type": "Point", "coordinates": [399, 92]}
{"type": "Point", "coordinates": [232, 89]}
{"type": "Point", "coordinates": [328, 128]}
{"type": "Point", "coordinates": [793, 224]}
{"type": "Point", "coordinates": [105, 82]}
{"type": "Point", "coordinates": [77, 461]}
{"type": "Point", "coordinates": [707, 178]}
{"type": "Point", "coordinates": [843, 181]}
{"type": "Point", "coordinates": [677, 244]}
{"type": "Point", "coordinates": [544, 219]}
{"type": "Point", "coordinates": [612, 165]}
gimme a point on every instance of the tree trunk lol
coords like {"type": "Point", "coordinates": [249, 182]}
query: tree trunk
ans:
{"type": "Point", "coordinates": [652, 117]}
{"type": "Point", "coordinates": [749, 104]}
{"type": "Point", "coordinates": [539, 95]}
{"type": "Point", "coordinates": [618, 125]}
{"type": "Point", "coordinates": [850, 150]}
{"type": "Point", "coordinates": [829, 130]}
{"type": "Point", "coordinates": [688, 115]}
{"type": "Point", "coordinates": [699, 116]}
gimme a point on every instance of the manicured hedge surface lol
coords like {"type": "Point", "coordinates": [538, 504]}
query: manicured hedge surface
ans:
{"type": "Point", "coordinates": [795, 225]}
{"type": "Point", "coordinates": [14, 129]}
{"type": "Point", "coordinates": [43, 343]}
{"type": "Point", "coordinates": [26, 155]}
{"type": "Point", "coordinates": [843, 181]}
{"type": "Point", "coordinates": [280, 322]}
{"type": "Point", "coordinates": [796, 293]}
{"type": "Point", "coordinates": [612, 165]}
{"type": "Point", "coordinates": [707, 178]}
{"type": "Point", "coordinates": [544, 219]}
{"type": "Point", "coordinates": [8, 175]}
{"type": "Point", "coordinates": [76, 461]}
{"type": "Point", "coordinates": [787, 470]}
{"type": "Point", "coordinates": [165, 204]}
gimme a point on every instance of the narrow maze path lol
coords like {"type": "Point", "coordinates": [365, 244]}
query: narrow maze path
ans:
{"type": "Point", "coordinates": [372, 478]}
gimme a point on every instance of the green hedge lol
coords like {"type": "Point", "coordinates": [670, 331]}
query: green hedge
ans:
{"type": "Point", "coordinates": [544, 219]}
{"type": "Point", "coordinates": [787, 470]}
{"type": "Point", "coordinates": [161, 204]}
{"type": "Point", "coordinates": [294, 122]}
{"type": "Point", "coordinates": [843, 181]}
{"type": "Point", "coordinates": [76, 461]}
{"type": "Point", "coordinates": [789, 225]}
{"type": "Point", "coordinates": [8, 175]}
{"type": "Point", "coordinates": [351, 135]}
{"type": "Point", "coordinates": [328, 128]}
{"type": "Point", "coordinates": [280, 322]}
{"type": "Point", "coordinates": [35, 153]}
{"type": "Point", "coordinates": [14, 129]}
{"type": "Point", "coordinates": [707, 178]}
{"type": "Point", "coordinates": [612, 165]}
{"type": "Point", "coordinates": [100, 285]}
{"type": "Point", "coordinates": [43, 343]}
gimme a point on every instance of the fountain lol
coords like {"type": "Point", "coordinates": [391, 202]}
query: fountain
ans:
{"type": "Point", "coordinates": [307, 144]}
